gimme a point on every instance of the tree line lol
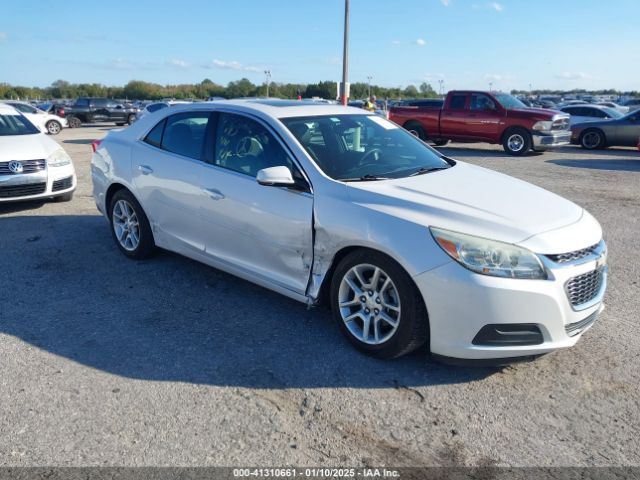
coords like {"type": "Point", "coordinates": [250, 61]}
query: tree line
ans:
{"type": "Point", "coordinates": [140, 90]}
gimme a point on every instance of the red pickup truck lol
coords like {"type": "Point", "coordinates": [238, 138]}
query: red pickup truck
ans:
{"type": "Point", "coordinates": [471, 116]}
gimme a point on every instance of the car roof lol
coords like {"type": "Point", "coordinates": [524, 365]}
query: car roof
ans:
{"type": "Point", "coordinates": [5, 109]}
{"type": "Point", "coordinates": [275, 107]}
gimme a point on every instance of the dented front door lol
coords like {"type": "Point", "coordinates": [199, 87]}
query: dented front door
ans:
{"type": "Point", "coordinates": [265, 231]}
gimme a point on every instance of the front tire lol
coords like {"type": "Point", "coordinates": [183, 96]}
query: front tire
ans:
{"type": "Point", "coordinates": [130, 227]}
{"type": "Point", "coordinates": [592, 139]}
{"type": "Point", "coordinates": [53, 127]}
{"type": "Point", "coordinates": [377, 305]}
{"type": "Point", "coordinates": [517, 142]}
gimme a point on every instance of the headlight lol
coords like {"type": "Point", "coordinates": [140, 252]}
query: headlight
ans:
{"type": "Point", "coordinates": [58, 158]}
{"type": "Point", "coordinates": [542, 126]}
{"type": "Point", "coordinates": [489, 257]}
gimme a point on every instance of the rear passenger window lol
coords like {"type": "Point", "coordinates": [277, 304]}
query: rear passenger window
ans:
{"type": "Point", "coordinates": [457, 102]}
{"type": "Point", "coordinates": [154, 137]}
{"type": "Point", "coordinates": [184, 134]}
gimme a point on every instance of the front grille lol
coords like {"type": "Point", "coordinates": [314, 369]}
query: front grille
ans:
{"type": "Point", "coordinates": [574, 329]}
{"type": "Point", "coordinates": [572, 256]}
{"type": "Point", "coordinates": [584, 288]}
{"type": "Point", "coordinates": [15, 191]}
{"type": "Point", "coordinates": [62, 184]}
{"type": "Point", "coordinates": [561, 124]}
{"type": "Point", "coordinates": [28, 166]}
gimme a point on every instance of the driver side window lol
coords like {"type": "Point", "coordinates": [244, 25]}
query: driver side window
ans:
{"type": "Point", "coordinates": [245, 146]}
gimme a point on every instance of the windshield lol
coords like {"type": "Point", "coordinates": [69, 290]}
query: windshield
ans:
{"type": "Point", "coordinates": [363, 147]}
{"type": "Point", "coordinates": [612, 112]}
{"type": "Point", "coordinates": [509, 101]}
{"type": "Point", "coordinates": [16, 125]}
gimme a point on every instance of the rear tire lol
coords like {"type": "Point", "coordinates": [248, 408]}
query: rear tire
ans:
{"type": "Point", "coordinates": [131, 118]}
{"type": "Point", "coordinates": [417, 130]}
{"type": "Point", "coordinates": [382, 314]}
{"type": "Point", "coordinates": [53, 127]}
{"type": "Point", "coordinates": [130, 227]}
{"type": "Point", "coordinates": [517, 142]}
{"type": "Point", "coordinates": [592, 139]}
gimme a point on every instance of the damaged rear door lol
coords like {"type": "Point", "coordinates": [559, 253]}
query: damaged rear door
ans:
{"type": "Point", "coordinates": [265, 231]}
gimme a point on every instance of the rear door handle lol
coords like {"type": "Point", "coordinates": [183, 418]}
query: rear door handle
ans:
{"type": "Point", "coordinates": [214, 194]}
{"type": "Point", "coordinates": [146, 170]}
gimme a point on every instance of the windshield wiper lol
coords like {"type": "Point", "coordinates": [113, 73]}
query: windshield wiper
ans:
{"type": "Point", "coordinates": [364, 178]}
{"type": "Point", "coordinates": [423, 170]}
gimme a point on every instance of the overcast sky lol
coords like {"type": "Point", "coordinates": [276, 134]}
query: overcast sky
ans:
{"type": "Point", "coordinates": [553, 44]}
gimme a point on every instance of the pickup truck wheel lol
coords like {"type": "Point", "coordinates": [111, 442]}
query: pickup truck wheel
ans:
{"type": "Point", "coordinates": [592, 139]}
{"type": "Point", "coordinates": [377, 305]}
{"type": "Point", "coordinates": [131, 118]}
{"type": "Point", "coordinates": [53, 127]}
{"type": "Point", "coordinates": [517, 142]}
{"type": "Point", "coordinates": [74, 122]}
{"type": "Point", "coordinates": [417, 130]}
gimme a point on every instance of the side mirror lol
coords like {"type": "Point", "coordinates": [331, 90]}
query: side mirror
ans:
{"type": "Point", "coordinates": [275, 177]}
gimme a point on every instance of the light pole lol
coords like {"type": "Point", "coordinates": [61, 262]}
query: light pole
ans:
{"type": "Point", "coordinates": [491, 86]}
{"type": "Point", "coordinates": [441, 82]}
{"type": "Point", "coordinates": [344, 90]}
{"type": "Point", "coordinates": [369, 85]}
{"type": "Point", "coordinates": [268, 75]}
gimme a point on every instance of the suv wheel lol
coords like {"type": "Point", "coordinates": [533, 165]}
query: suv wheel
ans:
{"type": "Point", "coordinates": [377, 305]}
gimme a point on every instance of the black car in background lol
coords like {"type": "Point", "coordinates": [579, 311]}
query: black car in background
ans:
{"type": "Point", "coordinates": [621, 132]}
{"type": "Point", "coordinates": [98, 110]}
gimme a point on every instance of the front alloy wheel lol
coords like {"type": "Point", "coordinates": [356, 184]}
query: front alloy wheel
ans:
{"type": "Point", "coordinates": [53, 127]}
{"type": "Point", "coordinates": [369, 304]}
{"type": "Point", "coordinates": [377, 305]}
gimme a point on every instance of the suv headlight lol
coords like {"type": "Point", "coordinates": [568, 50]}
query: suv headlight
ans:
{"type": "Point", "coordinates": [489, 257]}
{"type": "Point", "coordinates": [543, 126]}
{"type": "Point", "coordinates": [58, 158]}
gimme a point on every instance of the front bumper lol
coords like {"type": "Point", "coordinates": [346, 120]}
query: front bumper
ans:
{"type": "Point", "coordinates": [460, 303]}
{"type": "Point", "coordinates": [47, 183]}
{"type": "Point", "coordinates": [542, 140]}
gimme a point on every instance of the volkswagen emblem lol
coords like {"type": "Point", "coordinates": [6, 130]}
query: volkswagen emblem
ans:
{"type": "Point", "coordinates": [15, 167]}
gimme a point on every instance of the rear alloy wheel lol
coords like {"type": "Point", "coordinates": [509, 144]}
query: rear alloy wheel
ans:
{"type": "Point", "coordinates": [53, 127]}
{"type": "Point", "coordinates": [130, 226]}
{"type": "Point", "coordinates": [517, 142]}
{"type": "Point", "coordinates": [377, 306]}
{"type": "Point", "coordinates": [592, 140]}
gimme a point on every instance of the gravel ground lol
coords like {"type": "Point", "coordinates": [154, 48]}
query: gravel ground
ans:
{"type": "Point", "coordinates": [105, 361]}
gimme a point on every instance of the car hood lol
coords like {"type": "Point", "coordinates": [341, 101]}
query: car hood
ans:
{"type": "Point", "coordinates": [26, 147]}
{"type": "Point", "coordinates": [537, 113]}
{"type": "Point", "coordinates": [472, 200]}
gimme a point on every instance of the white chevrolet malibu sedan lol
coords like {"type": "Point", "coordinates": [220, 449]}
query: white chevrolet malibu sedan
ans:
{"type": "Point", "coordinates": [330, 203]}
{"type": "Point", "coordinates": [32, 166]}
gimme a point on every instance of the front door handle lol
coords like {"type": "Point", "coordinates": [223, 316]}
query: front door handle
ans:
{"type": "Point", "coordinates": [214, 194]}
{"type": "Point", "coordinates": [146, 170]}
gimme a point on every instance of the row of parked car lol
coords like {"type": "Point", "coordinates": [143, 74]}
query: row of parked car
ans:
{"type": "Point", "coordinates": [500, 118]}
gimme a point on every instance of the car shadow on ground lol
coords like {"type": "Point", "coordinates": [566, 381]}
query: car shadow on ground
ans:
{"type": "Point", "coordinates": [455, 151]}
{"type": "Point", "coordinates": [82, 141]}
{"type": "Point", "coordinates": [173, 319]}
{"type": "Point", "coordinates": [630, 165]}
{"type": "Point", "coordinates": [15, 207]}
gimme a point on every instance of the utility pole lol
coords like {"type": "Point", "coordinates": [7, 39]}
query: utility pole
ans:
{"type": "Point", "coordinates": [491, 86]}
{"type": "Point", "coordinates": [441, 82]}
{"type": "Point", "coordinates": [268, 75]}
{"type": "Point", "coordinates": [369, 85]}
{"type": "Point", "coordinates": [344, 90]}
